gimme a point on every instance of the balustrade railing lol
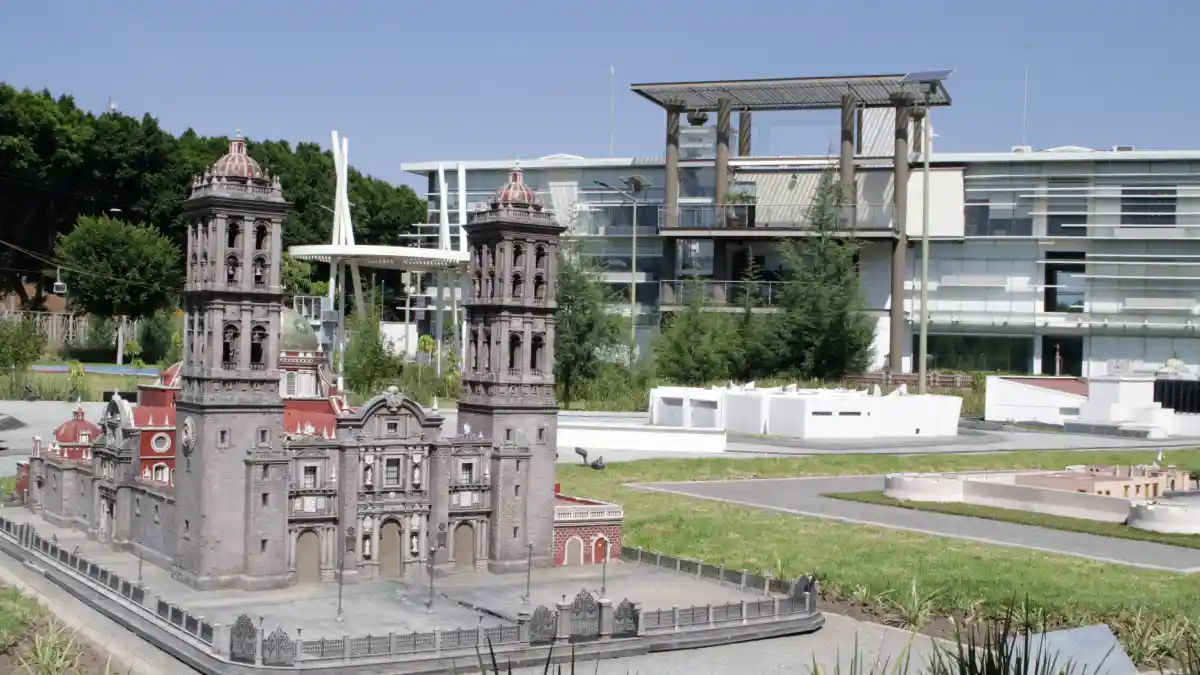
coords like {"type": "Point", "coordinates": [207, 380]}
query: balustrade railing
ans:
{"type": "Point", "coordinates": [863, 217]}
{"type": "Point", "coordinates": [721, 293]}
{"type": "Point", "coordinates": [588, 512]}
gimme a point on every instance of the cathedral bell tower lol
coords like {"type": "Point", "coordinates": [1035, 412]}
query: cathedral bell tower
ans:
{"type": "Point", "coordinates": [508, 378]}
{"type": "Point", "coordinates": [231, 486]}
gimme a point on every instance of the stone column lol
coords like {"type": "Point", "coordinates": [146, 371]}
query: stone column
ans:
{"type": "Point", "coordinates": [900, 243]}
{"type": "Point", "coordinates": [606, 618]}
{"type": "Point", "coordinates": [671, 172]}
{"type": "Point", "coordinates": [744, 125]}
{"type": "Point", "coordinates": [564, 620]}
{"type": "Point", "coordinates": [721, 189]}
{"type": "Point", "coordinates": [846, 163]}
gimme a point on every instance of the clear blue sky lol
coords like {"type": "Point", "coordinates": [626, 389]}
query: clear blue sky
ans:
{"type": "Point", "coordinates": [467, 79]}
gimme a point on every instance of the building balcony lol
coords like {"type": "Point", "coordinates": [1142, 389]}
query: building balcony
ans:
{"type": "Point", "coordinates": [723, 294]}
{"type": "Point", "coordinates": [321, 487]}
{"type": "Point", "coordinates": [576, 513]}
{"type": "Point", "coordinates": [771, 220]}
{"type": "Point", "coordinates": [312, 508]}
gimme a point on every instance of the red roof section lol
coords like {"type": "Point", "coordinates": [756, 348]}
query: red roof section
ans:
{"type": "Point", "coordinates": [69, 432]}
{"type": "Point", "coordinates": [309, 417]}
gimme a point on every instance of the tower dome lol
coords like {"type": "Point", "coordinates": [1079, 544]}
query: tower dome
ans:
{"type": "Point", "coordinates": [236, 163]}
{"type": "Point", "coordinates": [515, 194]}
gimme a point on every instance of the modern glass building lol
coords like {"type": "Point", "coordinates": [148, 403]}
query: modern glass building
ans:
{"type": "Point", "coordinates": [1065, 261]}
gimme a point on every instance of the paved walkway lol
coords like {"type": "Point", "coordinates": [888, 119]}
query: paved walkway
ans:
{"type": "Point", "coordinates": [802, 497]}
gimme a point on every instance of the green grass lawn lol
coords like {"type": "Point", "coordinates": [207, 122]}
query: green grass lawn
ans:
{"type": "Point", "coordinates": [859, 562]}
{"type": "Point", "coordinates": [1083, 525]}
{"type": "Point", "coordinates": [57, 386]}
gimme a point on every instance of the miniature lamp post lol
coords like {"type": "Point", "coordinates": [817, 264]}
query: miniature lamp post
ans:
{"type": "Point", "coordinates": [604, 570]}
{"type": "Point", "coordinates": [342, 573]}
{"type": "Point", "coordinates": [528, 572]}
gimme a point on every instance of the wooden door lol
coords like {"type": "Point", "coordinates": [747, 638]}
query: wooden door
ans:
{"type": "Point", "coordinates": [390, 554]}
{"type": "Point", "coordinates": [308, 557]}
{"type": "Point", "coordinates": [464, 546]}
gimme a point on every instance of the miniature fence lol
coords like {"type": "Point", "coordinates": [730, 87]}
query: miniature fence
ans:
{"type": "Point", "coordinates": [111, 584]}
{"type": "Point", "coordinates": [742, 578]}
{"type": "Point", "coordinates": [587, 618]}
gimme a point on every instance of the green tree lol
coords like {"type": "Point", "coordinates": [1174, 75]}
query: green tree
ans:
{"type": "Point", "coordinates": [297, 277]}
{"type": "Point", "coordinates": [696, 345]}
{"type": "Point", "coordinates": [584, 330]}
{"type": "Point", "coordinates": [827, 333]}
{"type": "Point", "coordinates": [115, 268]}
{"type": "Point", "coordinates": [369, 363]}
{"type": "Point", "coordinates": [757, 342]}
{"type": "Point", "coordinates": [22, 342]}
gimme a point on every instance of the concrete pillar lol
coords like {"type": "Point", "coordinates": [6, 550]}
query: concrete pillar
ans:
{"type": "Point", "coordinates": [606, 618]}
{"type": "Point", "coordinates": [721, 189]}
{"type": "Point", "coordinates": [846, 163]}
{"type": "Point", "coordinates": [900, 243]}
{"type": "Point", "coordinates": [671, 172]}
{"type": "Point", "coordinates": [563, 632]}
{"type": "Point", "coordinates": [744, 136]}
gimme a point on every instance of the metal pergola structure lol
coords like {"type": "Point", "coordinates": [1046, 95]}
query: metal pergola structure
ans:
{"type": "Point", "coordinates": [798, 93]}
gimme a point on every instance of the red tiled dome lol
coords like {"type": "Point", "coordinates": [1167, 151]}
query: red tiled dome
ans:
{"type": "Point", "coordinates": [71, 431]}
{"type": "Point", "coordinates": [515, 193]}
{"type": "Point", "coordinates": [236, 163]}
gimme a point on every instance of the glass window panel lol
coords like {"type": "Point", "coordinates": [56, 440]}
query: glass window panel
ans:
{"type": "Point", "coordinates": [980, 352]}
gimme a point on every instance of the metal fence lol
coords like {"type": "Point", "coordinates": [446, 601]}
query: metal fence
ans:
{"type": "Point", "coordinates": [109, 583]}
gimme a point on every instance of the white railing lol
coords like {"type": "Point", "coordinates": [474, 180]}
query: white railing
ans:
{"type": "Point", "coordinates": [588, 512]}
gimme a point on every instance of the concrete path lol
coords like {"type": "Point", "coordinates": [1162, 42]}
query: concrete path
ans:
{"type": "Point", "coordinates": [802, 497]}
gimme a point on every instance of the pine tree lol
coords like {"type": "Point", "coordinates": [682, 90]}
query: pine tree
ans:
{"type": "Point", "coordinates": [827, 333]}
{"type": "Point", "coordinates": [696, 345]}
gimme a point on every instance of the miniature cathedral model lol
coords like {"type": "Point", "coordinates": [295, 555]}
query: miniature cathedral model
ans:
{"type": "Point", "coordinates": [276, 482]}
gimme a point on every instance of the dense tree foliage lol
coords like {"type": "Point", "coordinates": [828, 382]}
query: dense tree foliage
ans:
{"type": "Point", "coordinates": [59, 163]}
{"type": "Point", "coordinates": [585, 331]}
{"type": "Point", "coordinates": [115, 268]}
{"type": "Point", "coordinates": [818, 330]}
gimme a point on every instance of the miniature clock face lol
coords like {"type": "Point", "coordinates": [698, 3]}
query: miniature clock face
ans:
{"type": "Point", "coordinates": [189, 435]}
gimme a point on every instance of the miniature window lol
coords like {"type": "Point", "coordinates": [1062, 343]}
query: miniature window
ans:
{"type": "Point", "coordinates": [187, 526]}
{"type": "Point", "coordinates": [156, 513]}
{"type": "Point", "coordinates": [137, 507]}
{"type": "Point", "coordinates": [518, 465]}
{"type": "Point", "coordinates": [536, 351]}
{"type": "Point", "coordinates": [262, 545]}
{"type": "Point", "coordinates": [85, 437]}
{"type": "Point", "coordinates": [516, 490]}
{"type": "Point", "coordinates": [393, 427]}
{"type": "Point", "coordinates": [233, 235]}
{"type": "Point", "coordinates": [260, 236]}
{"type": "Point", "coordinates": [266, 499]}
{"type": "Point", "coordinates": [264, 437]}
{"type": "Point", "coordinates": [514, 351]}
{"type": "Point", "coordinates": [160, 473]}
{"type": "Point", "coordinates": [229, 347]}
{"type": "Point", "coordinates": [391, 471]}
{"type": "Point", "coordinates": [160, 442]}
{"type": "Point", "coordinates": [258, 346]}
{"type": "Point", "coordinates": [289, 384]}
{"type": "Point", "coordinates": [260, 272]}
{"type": "Point", "coordinates": [541, 436]}
{"type": "Point", "coordinates": [518, 286]}
{"type": "Point", "coordinates": [266, 472]}
{"type": "Point", "coordinates": [466, 473]}
{"type": "Point", "coordinates": [223, 438]}
{"type": "Point", "coordinates": [518, 255]}
{"type": "Point", "coordinates": [310, 477]}
{"type": "Point", "coordinates": [231, 269]}
{"type": "Point", "coordinates": [516, 532]}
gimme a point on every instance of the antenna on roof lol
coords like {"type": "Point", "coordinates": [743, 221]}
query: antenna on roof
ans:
{"type": "Point", "coordinates": [612, 107]}
{"type": "Point", "coordinates": [1025, 107]}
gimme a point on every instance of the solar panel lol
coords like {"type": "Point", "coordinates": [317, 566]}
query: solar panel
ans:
{"type": "Point", "coordinates": [926, 76]}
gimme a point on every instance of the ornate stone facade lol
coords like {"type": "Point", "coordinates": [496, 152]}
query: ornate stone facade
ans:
{"type": "Point", "coordinates": [269, 487]}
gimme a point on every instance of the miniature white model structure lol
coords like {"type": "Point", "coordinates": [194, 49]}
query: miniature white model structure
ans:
{"type": "Point", "coordinates": [1147, 497]}
{"type": "Point", "coordinates": [812, 414]}
{"type": "Point", "coordinates": [1122, 404]}
{"type": "Point", "coordinates": [446, 261]}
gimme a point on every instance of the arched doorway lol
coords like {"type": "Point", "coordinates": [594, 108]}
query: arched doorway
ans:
{"type": "Point", "coordinates": [390, 541]}
{"type": "Point", "coordinates": [574, 552]}
{"type": "Point", "coordinates": [308, 557]}
{"type": "Point", "coordinates": [464, 546]}
{"type": "Point", "coordinates": [599, 550]}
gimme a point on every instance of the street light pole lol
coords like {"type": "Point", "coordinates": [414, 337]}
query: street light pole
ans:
{"type": "Point", "coordinates": [528, 573]}
{"type": "Point", "coordinates": [923, 347]}
{"type": "Point", "coordinates": [342, 570]}
{"type": "Point", "coordinates": [634, 185]}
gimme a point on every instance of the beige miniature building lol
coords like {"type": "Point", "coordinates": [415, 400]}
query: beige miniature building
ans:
{"type": "Point", "coordinates": [1128, 482]}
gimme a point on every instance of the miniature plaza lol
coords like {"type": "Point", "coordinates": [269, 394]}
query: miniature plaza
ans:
{"type": "Point", "coordinates": [461, 600]}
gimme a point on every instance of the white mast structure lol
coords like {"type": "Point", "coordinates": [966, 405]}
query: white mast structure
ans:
{"type": "Point", "coordinates": [445, 261]}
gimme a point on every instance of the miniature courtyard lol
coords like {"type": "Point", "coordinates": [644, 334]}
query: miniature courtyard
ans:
{"type": "Point", "coordinates": [460, 600]}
